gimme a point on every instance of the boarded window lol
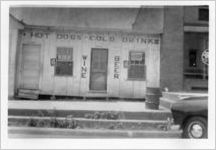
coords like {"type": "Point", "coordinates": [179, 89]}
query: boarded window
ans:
{"type": "Point", "coordinates": [64, 61]}
{"type": "Point", "coordinates": [136, 69]}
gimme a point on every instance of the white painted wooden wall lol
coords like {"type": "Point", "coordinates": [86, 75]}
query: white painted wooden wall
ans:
{"type": "Point", "coordinates": [77, 86]}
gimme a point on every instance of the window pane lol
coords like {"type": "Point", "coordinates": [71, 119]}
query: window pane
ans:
{"type": "Point", "coordinates": [64, 68]}
{"type": "Point", "coordinates": [203, 14]}
{"type": "Point", "coordinates": [64, 63]}
{"type": "Point", "coordinates": [136, 68]}
{"type": "Point", "coordinates": [137, 56]}
{"type": "Point", "coordinates": [64, 54]}
{"type": "Point", "coordinates": [136, 72]}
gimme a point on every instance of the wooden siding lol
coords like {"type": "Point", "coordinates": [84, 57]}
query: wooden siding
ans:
{"type": "Point", "coordinates": [76, 85]}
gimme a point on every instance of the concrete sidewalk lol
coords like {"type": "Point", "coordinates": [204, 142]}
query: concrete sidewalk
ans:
{"type": "Point", "coordinates": [80, 105]}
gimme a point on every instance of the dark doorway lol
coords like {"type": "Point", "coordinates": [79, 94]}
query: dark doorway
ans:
{"type": "Point", "coordinates": [98, 74]}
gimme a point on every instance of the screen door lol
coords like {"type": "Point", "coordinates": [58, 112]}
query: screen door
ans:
{"type": "Point", "coordinates": [98, 73]}
{"type": "Point", "coordinates": [30, 70]}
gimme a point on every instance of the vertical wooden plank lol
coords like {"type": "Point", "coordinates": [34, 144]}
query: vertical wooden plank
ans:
{"type": "Point", "coordinates": [77, 55]}
{"type": "Point", "coordinates": [139, 87]}
{"type": "Point", "coordinates": [114, 51]}
{"type": "Point", "coordinates": [86, 51]}
{"type": "Point", "coordinates": [46, 84]}
{"type": "Point", "coordinates": [13, 46]}
{"type": "Point", "coordinates": [153, 67]}
{"type": "Point", "coordinates": [157, 68]}
{"type": "Point", "coordinates": [126, 86]}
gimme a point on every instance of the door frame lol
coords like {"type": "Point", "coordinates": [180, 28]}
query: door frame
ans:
{"type": "Point", "coordinates": [99, 91]}
{"type": "Point", "coordinates": [20, 64]}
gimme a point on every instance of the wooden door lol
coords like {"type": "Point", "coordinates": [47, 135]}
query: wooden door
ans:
{"type": "Point", "coordinates": [30, 67]}
{"type": "Point", "coordinates": [98, 73]}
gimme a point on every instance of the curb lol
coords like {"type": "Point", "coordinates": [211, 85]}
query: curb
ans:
{"type": "Point", "coordinates": [91, 123]}
{"type": "Point", "coordinates": [32, 132]}
{"type": "Point", "coordinates": [146, 115]}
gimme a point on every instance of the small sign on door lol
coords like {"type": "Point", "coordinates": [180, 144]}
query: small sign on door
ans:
{"type": "Point", "coordinates": [52, 61]}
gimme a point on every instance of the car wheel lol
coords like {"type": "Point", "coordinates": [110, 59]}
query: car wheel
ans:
{"type": "Point", "coordinates": [195, 128]}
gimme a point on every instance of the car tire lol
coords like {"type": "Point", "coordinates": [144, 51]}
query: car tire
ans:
{"type": "Point", "coordinates": [193, 122]}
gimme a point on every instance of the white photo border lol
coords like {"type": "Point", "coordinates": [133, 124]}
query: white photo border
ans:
{"type": "Point", "coordinates": [7, 143]}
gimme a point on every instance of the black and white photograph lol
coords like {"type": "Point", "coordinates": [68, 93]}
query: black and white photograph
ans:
{"type": "Point", "coordinates": [105, 72]}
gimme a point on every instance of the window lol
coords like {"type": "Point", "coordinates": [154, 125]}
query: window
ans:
{"type": "Point", "coordinates": [136, 69]}
{"type": "Point", "coordinates": [64, 61]}
{"type": "Point", "coordinates": [192, 58]}
{"type": "Point", "coordinates": [203, 14]}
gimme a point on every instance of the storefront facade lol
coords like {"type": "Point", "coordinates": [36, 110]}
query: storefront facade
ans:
{"type": "Point", "coordinates": [196, 45]}
{"type": "Point", "coordinates": [88, 63]}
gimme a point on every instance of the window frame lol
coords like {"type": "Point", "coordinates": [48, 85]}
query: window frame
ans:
{"type": "Point", "coordinates": [129, 65]}
{"type": "Point", "coordinates": [67, 61]}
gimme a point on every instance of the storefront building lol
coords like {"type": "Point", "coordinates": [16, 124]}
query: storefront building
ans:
{"type": "Point", "coordinates": [95, 62]}
{"type": "Point", "coordinates": [196, 39]}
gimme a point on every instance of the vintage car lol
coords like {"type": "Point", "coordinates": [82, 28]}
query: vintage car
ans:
{"type": "Point", "coordinates": [192, 116]}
